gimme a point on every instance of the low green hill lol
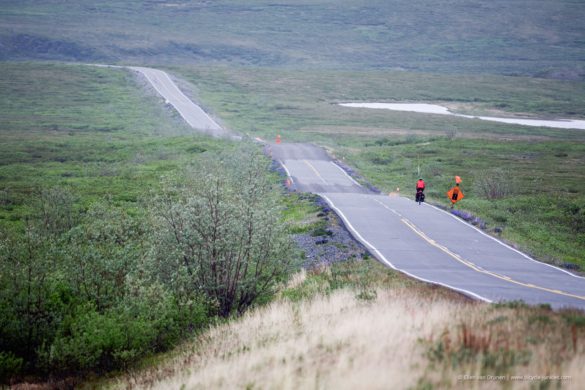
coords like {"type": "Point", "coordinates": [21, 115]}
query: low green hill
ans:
{"type": "Point", "coordinates": [527, 37]}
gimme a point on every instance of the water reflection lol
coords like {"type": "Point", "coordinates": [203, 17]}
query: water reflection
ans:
{"type": "Point", "coordinates": [436, 109]}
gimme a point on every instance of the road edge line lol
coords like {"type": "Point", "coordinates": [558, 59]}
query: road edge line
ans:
{"type": "Point", "coordinates": [139, 69]}
{"type": "Point", "coordinates": [286, 170]}
{"type": "Point", "coordinates": [503, 243]}
{"type": "Point", "coordinates": [346, 174]}
{"type": "Point", "coordinates": [192, 102]}
{"type": "Point", "coordinates": [383, 258]}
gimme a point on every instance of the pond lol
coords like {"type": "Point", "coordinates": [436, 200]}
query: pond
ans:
{"type": "Point", "coordinates": [440, 110]}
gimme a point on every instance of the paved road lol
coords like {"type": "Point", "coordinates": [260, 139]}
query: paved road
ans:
{"type": "Point", "coordinates": [428, 243]}
{"type": "Point", "coordinates": [422, 241]}
{"type": "Point", "coordinates": [192, 113]}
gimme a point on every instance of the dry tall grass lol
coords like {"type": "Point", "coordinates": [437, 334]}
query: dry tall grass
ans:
{"type": "Point", "coordinates": [403, 338]}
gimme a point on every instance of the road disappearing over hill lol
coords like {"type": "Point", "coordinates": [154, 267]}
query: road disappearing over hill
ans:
{"type": "Point", "coordinates": [191, 112]}
{"type": "Point", "coordinates": [423, 241]}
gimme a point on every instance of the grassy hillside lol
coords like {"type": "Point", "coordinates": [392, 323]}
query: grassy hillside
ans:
{"type": "Point", "coordinates": [86, 128]}
{"type": "Point", "coordinates": [299, 103]}
{"type": "Point", "coordinates": [527, 37]}
{"type": "Point", "coordinates": [360, 325]}
{"type": "Point", "coordinates": [103, 192]}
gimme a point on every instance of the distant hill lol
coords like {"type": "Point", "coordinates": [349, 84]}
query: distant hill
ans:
{"type": "Point", "coordinates": [543, 38]}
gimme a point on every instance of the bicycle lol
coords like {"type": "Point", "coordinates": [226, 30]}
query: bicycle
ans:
{"type": "Point", "coordinates": [420, 196]}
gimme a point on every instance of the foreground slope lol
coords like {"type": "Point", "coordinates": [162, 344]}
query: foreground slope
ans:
{"type": "Point", "coordinates": [358, 325]}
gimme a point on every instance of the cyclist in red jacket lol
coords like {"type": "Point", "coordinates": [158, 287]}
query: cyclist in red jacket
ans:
{"type": "Point", "coordinates": [420, 188]}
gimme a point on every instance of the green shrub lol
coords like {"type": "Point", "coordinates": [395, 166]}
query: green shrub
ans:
{"type": "Point", "coordinates": [95, 287]}
{"type": "Point", "coordinates": [101, 252]}
{"type": "Point", "coordinates": [88, 340]}
{"type": "Point", "coordinates": [86, 297]}
{"type": "Point", "coordinates": [10, 365]}
{"type": "Point", "coordinates": [219, 231]}
{"type": "Point", "coordinates": [493, 184]}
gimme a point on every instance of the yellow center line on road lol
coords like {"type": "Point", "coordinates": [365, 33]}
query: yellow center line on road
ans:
{"type": "Point", "coordinates": [469, 264]}
{"type": "Point", "coordinates": [315, 170]}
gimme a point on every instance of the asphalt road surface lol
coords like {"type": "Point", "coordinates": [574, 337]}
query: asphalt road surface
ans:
{"type": "Point", "coordinates": [422, 241]}
{"type": "Point", "coordinates": [192, 113]}
{"type": "Point", "coordinates": [428, 243]}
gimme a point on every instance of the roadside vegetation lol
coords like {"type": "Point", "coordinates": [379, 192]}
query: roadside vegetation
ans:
{"type": "Point", "coordinates": [359, 324]}
{"type": "Point", "coordinates": [120, 235]}
{"type": "Point", "coordinates": [529, 193]}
